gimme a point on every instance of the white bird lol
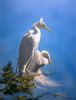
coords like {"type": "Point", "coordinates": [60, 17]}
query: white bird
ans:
{"type": "Point", "coordinates": [29, 44]}
{"type": "Point", "coordinates": [38, 60]}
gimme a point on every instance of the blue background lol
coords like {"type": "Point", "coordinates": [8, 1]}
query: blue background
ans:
{"type": "Point", "coordinates": [17, 16]}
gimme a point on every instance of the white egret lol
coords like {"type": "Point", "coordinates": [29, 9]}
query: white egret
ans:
{"type": "Point", "coordinates": [38, 60]}
{"type": "Point", "coordinates": [29, 44]}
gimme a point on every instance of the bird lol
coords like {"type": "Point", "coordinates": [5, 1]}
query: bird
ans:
{"type": "Point", "coordinates": [34, 65]}
{"type": "Point", "coordinates": [37, 60]}
{"type": "Point", "coordinates": [29, 44]}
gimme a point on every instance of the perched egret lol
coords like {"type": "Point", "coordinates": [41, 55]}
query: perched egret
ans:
{"type": "Point", "coordinates": [32, 67]}
{"type": "Point", "coordinates": [29, 44]}
{"type": "Point", "coordinates": [37, 60]}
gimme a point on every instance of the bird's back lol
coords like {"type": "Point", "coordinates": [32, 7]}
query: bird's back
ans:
{"type": "Point", "coordinates": [25, 49]}
{"type": "Point", "coordinates": [27, 46]}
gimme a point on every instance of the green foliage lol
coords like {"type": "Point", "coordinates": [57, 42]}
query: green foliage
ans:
{"type": "Point", "coordinates": [15, 83]}
{"type": "Point", "coordinates": [8, 67]}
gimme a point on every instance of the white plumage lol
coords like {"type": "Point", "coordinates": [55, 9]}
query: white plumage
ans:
{"type": "Point", "coordinates": [38, 60]}
{"type": "Point", "coordinates": [32, 67]}
{"type": "Point", "coordinates": [29, 44]}
{"type": "Point", "coordinates": [30, 60]}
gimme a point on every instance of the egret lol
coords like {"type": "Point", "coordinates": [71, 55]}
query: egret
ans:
{"type": "Point", "coordinates": [32, 67]}
{"type": "Point", "coordinates": [29, 44]}
{"type": "Point", "coordinates": [37, 60]}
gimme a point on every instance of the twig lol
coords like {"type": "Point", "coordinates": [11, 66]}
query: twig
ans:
{"type": "Point", "coordinates": [47, 93]}
{"type": "Point", "coordinates": [44, 74]}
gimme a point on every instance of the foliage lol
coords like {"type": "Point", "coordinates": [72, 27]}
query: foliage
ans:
{"type": "Point", "coordinates": [16, 84]}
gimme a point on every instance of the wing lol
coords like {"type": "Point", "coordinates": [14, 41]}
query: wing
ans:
{"type": "Point", "coordinates": [26, 49]}
{"type": "Point", "coordinates": [36, 62]}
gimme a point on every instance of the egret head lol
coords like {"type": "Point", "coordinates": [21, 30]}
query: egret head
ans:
{"type": "Point", "coordinates": [41, 24]}
{"type": "Point", "coordinates": [46, 55]}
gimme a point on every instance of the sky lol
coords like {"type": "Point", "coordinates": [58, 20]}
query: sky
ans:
{"type": "Point", "coordinates": [17, 17]}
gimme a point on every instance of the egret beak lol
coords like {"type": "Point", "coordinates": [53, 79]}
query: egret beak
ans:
{"type": "Point", "coordinates": [47, 28]}
{"type": "Point", "coordinates": [50, 61]}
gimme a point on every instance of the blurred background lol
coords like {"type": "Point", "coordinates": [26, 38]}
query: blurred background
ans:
{"type": "Point", "coordinates": [17, 17]}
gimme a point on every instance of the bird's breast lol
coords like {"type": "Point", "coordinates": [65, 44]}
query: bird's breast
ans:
{"type": "Point", "coordinates": [45, 61]}
{"type": "Point", "coordinates": [37, 37]}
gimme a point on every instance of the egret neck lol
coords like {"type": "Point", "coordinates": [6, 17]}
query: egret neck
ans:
{"type": "Point", "coordinates": [36, 29]}
{"type": "Point", "coordinates": [36, 35]}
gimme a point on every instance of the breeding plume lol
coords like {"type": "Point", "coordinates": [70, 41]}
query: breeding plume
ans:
{"type": "Point", "coordinates": [29, 44]}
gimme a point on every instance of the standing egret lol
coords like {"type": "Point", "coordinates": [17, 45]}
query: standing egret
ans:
{"type": "Point", "coordinates": [29, 44]}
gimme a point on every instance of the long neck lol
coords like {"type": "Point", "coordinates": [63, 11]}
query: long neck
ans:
{"type": "Point", "coordinates": [36, 29]}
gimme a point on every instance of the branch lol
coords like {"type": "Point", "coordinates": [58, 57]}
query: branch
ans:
{"type": "Point", "coordinates": [44, 74]}
{"type": "Point", "coordinates": [48, 93]}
